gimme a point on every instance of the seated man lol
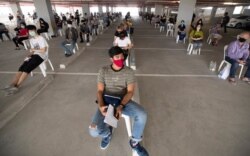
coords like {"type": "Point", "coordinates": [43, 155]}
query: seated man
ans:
{"type": "Point", "coordinates": [84, 30]}
{"type": "Point", "coordinates": [181, 30]}
{"type": "Point", "coordinates": [215, 34]}
{"type": "Point", "coordinates": [4, 30]}
{"type": "Point", "coordinates": [238, 53]}
{"type": "Point", "coordinates": [123, 42]}
{"type": "Point", "coordinates": [71, 36]}
{"type": "Point", "coordinates": [38, 53]}
{"type": "Point", "coordinates": [119, 81]}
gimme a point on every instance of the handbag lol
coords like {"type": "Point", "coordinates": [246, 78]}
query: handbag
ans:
{"type": "Point", "coordinates": [224, 73]}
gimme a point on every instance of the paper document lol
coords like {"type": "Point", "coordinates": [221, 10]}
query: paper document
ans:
{"type": "Point", "coordinates": [109, 118]}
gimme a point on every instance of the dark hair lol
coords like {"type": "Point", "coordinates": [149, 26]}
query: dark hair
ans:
{"type": "Point", "coordinates": [41, 19]}
{"type": "Point", "coordinates": [31, 27]}
{"type": "Point", "coordinates": [115, 51]}
{"type": "Point", "coordinates": [122, 34]}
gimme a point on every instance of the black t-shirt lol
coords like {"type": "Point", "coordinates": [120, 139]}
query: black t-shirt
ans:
{"type": "Point", "coordinates": [182, 27]}
{"type": "Point", "coordinates": [118, 33]}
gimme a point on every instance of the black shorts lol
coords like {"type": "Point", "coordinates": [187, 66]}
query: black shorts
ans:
{"type": "Point", "coordinates": [31, 64]}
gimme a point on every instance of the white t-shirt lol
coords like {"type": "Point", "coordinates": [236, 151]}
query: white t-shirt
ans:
{"type": "Point", "coordinates": [122, 43]}
{"type": "Point", "coordinates": [39, 43]}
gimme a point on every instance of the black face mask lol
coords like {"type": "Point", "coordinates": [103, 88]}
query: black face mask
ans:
{"type": "Point", "coordinates": [242, 39]}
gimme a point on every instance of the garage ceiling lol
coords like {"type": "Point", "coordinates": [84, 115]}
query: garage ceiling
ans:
{"type": "Point", "coordinates": [134, 2]}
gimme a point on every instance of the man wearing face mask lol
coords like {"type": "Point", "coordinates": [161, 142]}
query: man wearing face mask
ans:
{"type": "Point", "coordinates": [71, 36]}
{"type": "Point", "coordinates": [38, 53]}
{"type": "Point", "coordinates": [238, 53]}
{"type": "Point", "coordinates": [117, 80]}
{"type": "Point", "coordinates": [181, 30]}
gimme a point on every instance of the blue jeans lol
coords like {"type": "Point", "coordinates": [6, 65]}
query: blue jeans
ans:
{"type": "Point", "coordinates": [133, 110]}
{"type": "Point", "coordinates": [68, 49]}
{"type": "Point", "coordinates": [248, 68]}
{"type": "Point", "coordinates": [234, 66]}
{"type": "Point", "coordinates": [197, 45]}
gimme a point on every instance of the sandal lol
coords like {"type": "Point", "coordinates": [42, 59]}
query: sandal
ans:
{"type": "Point", "coordinates": [232, 81]}
{"type": "Point", "coordinates": [245, 79]}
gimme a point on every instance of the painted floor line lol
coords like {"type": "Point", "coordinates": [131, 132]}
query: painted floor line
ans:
{"type": "Point", "coordinates": [172, 49]}
{"type": "Point", "coordinates": [95, 74]}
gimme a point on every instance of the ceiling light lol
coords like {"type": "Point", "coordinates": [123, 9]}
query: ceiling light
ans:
{"type": "Point", "coordinates": [230, 3]}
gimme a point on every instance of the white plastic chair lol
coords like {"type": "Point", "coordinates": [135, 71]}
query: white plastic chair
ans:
{"type": "Point", "coordinates": [170, 29]}
{"type": "Point", "coordinates": [46, 35]}
{"type": "Point", "coordinates": [178, 38]}
{"type": "Point", "coordinates": [157, 25]}
{"type": "Point", "coordinates": [209, 39]}
{"type": "Point", "coordinates": [128, 124]}
{"type": "Point", "coordinates": [60, 32]}
{"type": "Point", "coordinates": [162, 28]}
{"type": "Point", "coordinates": [25, 44]}
{"type": "Point", "coordinates": [191, 50]}
{"type": "Point", "coordinates": [224, 61]}
{"type": "Point", "coordinates": [43, 67]}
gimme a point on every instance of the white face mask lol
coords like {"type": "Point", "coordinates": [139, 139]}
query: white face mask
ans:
{"type": "Point", "coordinates": [32, 33]}
{"type": "Point", "coordinates": [22, 26]}
{"type": "Point", "coordinates": [69, 25]}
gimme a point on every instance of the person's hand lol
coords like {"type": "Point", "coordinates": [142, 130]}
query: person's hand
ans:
{"type": "Point", "coordinates": [118, 111]}
{"type": "Point", "coordinates": [242, 62]}
{"type": "Point", "coordinates": [103, 110]}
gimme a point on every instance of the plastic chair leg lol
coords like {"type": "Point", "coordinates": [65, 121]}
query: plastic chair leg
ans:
{"type": "Point", "coordinates": [128, 124]}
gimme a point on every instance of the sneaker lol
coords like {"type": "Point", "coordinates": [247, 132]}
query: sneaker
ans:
{"type": "Point", "coordinates": [68, 55]}
{"type": "Point", "coordinates": [11, 91]}
{"type": "Point", "coordinates": [106, 141]}
{"type": "Point", "coordinates": [88, 44]}
{"type": "Point", "coordinates": [7, 87]}
{"type": "Point", "coordinates": [81, 41]}
{"type": "Point", "coordinates": [140, 150]}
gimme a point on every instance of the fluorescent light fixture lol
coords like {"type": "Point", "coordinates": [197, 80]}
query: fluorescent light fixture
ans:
{"type": "Point", "coordinates": [230, 3]}
{"type": "Point", "coordinates": [207, 8]}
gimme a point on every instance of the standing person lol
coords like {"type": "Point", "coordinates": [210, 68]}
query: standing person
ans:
{"type": "Point", "coordinates": [118, 81]}
{"type": "Point", "coordinates": [238, 53]}
{"type": "Point", "coordinates": [22, 34]}
{"type": "Point", "coordinates": [38, 53]}
{"type": "Point", "coordinates": [44, 26]}
{"type": "Point", "coordinates": [225, 21]}
{"type": "Point", "coordinates": [4, 30]}
{"type": "Point", "coordinates": [77, 17]}
{"type": "Point", "coordinates": [71, 36]}
{"type": "Point", "coordinates": [84, 30]}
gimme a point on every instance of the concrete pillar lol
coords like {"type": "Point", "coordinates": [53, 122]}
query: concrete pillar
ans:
{"type": "Point", "coordinates": [212, 16]}
{"type": "Point", "coordinates": [148, 9]}
{"type": "Point", "coordinates": [159, 10]}
{"type": "Point", "coordinates": [112, 9]}
{"type": "Point", "coordinates": [230, 10]}
{"type": "Point", "coordinates": [44, 10]}
{"type": "Point", "coordinates": [86, 9]}
{"type": "Point", "coordinates": [185, 12]}
{"type": "Point", "coordinates": [100, 9]}
{"type": "Point", "coordinates": [16, 7]}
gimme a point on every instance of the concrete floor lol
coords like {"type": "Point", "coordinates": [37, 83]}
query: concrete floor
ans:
{"type": "Point", "coordinates": [190, 111]}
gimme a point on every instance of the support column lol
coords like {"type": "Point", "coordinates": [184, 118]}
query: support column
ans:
{"type": "Point", "coordinates": [112, 9]}
{"type": "Point", "coordinates": [185, 12]}
{"type": "Point", "coordinates": [15, 7]}
{"type": "Point", "coordinates": [100, 9]}
{"type": "Point", "coordinates": [159, 10]}
{"type": "Point", "coordinates": [44, 10]}
{"type": "Point", "coordinates": [148, 9]}
{"type": "Point", "coordinates": [212, 16]}
{"type": "Point", "coordinates": [85, 9]}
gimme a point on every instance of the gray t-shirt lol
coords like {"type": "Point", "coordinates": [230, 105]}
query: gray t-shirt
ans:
{"type": "Point", "coordinates": [116, 82]}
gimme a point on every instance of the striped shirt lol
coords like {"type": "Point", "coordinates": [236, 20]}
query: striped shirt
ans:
{"type": "Point", "coordinates": [116, 82]}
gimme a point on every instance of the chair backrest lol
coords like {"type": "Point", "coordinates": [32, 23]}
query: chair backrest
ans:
{"type": "Point", "coordinates": [170, 26]}
{"type": "Point", "coordinates": [225, 49]}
